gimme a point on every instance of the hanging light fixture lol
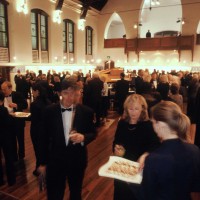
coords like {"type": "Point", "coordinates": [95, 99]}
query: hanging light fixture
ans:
{"type": "Point", "coordinates": [182, 20]}
{"type": "Point", "coordinates": [154, 3]}
{"type": "Point", "coordinates": [81, 24]}
{"type": "Point", "coordinates": [57, 16]}
{"type": "Point", "coordinates": [21, 6]}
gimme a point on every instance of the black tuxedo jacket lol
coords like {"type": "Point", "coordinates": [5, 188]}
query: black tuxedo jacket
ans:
{"type": "Point", "coordinates": [121, 87]}
{"type": "Point", "coordinates": [52, 139]}
{"type": "Point", "coordinates": [19, 100]}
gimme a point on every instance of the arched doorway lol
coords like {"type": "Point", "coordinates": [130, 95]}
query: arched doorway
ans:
{"type": "Point", "coordinates": [114, 28]}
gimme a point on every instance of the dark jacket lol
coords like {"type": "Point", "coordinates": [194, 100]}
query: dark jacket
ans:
{"type": "Point", "coordinates": [171, 172]}
{"type": "Point", "coordinates": [53, 139]}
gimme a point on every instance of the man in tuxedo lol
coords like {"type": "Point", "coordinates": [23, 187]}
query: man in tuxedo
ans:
{"type": "Point", "coordinates": [94, 91]}
{"type": "Point", "coordinates": [121, 92]}
{"type": "Point", "coordinates": [63, 155]}
{"type": "Point", "coordinates": [15, 102]}
{"type": "Point", "coordinates": [6, 144]}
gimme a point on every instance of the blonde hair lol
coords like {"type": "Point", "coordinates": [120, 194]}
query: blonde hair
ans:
{"type": "Point", "coordinates": [131, 100]}
{"type": "Point", "coordinates": [171, 114]}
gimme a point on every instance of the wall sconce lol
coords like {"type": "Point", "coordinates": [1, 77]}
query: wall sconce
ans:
{"type": "Point", "coordinates": [22, 6]}
{"type": "Point", "coordinates": [56, 58]}
{"type": "Point", "coordinates": [14, 58]}
{"type": "Point", "coordinates": [182, 20]}
{"type": "Point", "coordinates": [81, 24]}
{"type": "Point", "coordinates": [57, 16]}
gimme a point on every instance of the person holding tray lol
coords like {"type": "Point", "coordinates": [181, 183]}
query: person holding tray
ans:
{"type": "Point", "coordinates": [173, 170]}
{"type": "Point", "coordinates": [134, 139]}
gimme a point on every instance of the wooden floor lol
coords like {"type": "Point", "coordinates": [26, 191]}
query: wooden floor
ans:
{"type": "Point", "coordinates": [94, 187]}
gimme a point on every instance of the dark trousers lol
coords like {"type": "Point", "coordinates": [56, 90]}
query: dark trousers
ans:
{"type": "Point", "coordinates": [35, 141]}
{"type": "Point", "coordinates": [5, 147]}
{"type": "Point", "coordinates": [122, 191]}
{"type": "Point", "coordinates": [19, 125]}
{"type": "Point", "coordinates": [58, 171]}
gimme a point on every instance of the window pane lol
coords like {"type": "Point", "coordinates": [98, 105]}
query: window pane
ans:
{"type": "Point", "coordinates": [43, 31]}
{"type": "Point", "coordinates": [33, 30]}
{"type": "Point", "coordinates": [43, 44]}
{"type": "Point", "coordinates": [2, 11]}
{"type": "Point", "coordinates": [33, 18]}
{"type": "Point", "coordinates": [3, 40]}
{"type": "Point", "coordinates": [70, 27]}
{"type": "Point", "coordinates": [71, 48]}
{"type": "Point", "coordinates": [34, 43]}
{"type": "Point", "coordinates": [70, 37]}
{"type": "Point", "coordinates": [2, 24]}
{"type": "Point", "coordinates": [64, 47]}
{"type": "Point", "coordinates": [43, 23]}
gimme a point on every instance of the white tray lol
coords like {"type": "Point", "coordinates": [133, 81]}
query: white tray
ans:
{"type": "Point", "coordinates": [22, 114]}
{"type": "Point", "coordinates": [122, 169]}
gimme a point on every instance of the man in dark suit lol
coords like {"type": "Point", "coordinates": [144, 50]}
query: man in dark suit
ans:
{"type": "Point", "coordinates": [139, 82]}
{"type": "Point", "coordinates": [121, 92]}
{"type": "Point", "coordinates": [63, 154]}
{"type": "Point", "coordinates": [94, 90]}
{"type": "Point", "coordinates": [15, 102]}
{"type": "Point", "coordinates": [5, 144]}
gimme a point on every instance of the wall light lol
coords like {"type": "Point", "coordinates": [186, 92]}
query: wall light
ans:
{"type": "Point", "coordinates": [21, 6]}
{"type": "Point", "coordinates": [57, 16]}
{"type": "Point", "coordinates": [81, 24]}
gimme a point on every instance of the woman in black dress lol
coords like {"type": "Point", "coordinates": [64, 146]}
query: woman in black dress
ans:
{"type": "Point", "coordinates": [37, 108]}
{"type": "Point", "coordinates": [134, 139]}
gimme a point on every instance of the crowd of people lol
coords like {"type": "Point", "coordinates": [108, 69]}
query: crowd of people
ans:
{"type": "Point", "coordinates": [67, 109]}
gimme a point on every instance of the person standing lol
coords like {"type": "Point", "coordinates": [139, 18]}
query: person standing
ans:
{"type": "Point", "coordinates": [37, 108]}
{"type": "Point", "coordinates": [148, 34]}
{"type": "Point", "coordinates": [121, 92]}
{"type": "Point", "coordinates": [134, 139]}
{"type": "Point", "coordinates": [15, 102]}
{"type": "Point", "coordinates": [6, 144]}
{"type": "Point", "coordinates": [105, 99]}
{"type": "Point", "coordinates": [68, 128]}
{"type": "Point", "coordinates": [173, 170]}
{"type": "Point", "coordinates": [94, 89]}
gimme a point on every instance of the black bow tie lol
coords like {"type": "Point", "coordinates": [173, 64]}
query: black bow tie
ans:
{"type": "Point", "coordinates": [68, 109]}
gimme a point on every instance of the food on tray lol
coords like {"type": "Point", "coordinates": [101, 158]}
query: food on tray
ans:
{"type": "Point", "coordinates": [22, 114]}
{"type": "Point", "coordinates": [123, 168]}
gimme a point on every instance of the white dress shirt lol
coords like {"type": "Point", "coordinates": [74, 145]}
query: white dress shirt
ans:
{"type": "Point", "coordinates": [7, 101]}
{"type": "Point", "coordinates": [67, 118]}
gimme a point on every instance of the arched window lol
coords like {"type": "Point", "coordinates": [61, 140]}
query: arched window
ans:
{"type": "Point", "coordinates": [39, 33]}
{"type": "Point", "coordinates": [4, 41]}
{"type": "Point", "coordinates": [88, 40]}
{"type": "Point", "coordinates": [68, 41]}
{"type": "Point", "coordinates": [68, 36]}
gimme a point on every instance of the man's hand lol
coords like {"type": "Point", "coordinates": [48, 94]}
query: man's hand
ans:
{"type": "Point", "coordinates": [76, 138]}
{"type": "Point", "coordinates": [12, 105]}
{"type": "Point", "coordinates": [119, 150]}
{"type": "Point", "coordinates": [42, 170]}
